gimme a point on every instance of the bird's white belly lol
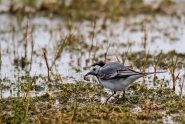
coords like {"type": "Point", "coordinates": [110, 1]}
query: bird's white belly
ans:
{"type": "Point", "coordinates": [119, 85]}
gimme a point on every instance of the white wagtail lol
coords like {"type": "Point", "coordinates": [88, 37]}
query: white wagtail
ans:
{"type": "Point", "coordinates": [115, 76]}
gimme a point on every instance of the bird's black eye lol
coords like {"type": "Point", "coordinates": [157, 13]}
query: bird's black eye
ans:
{"type": "Point", "coordinates": [94, 69]}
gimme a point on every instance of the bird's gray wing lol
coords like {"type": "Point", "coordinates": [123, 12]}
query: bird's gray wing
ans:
{"type": "Point", "coordinates": [116, 70]}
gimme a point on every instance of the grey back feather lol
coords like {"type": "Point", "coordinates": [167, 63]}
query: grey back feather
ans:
{"type": "Point", "coordinates": [115, 70]}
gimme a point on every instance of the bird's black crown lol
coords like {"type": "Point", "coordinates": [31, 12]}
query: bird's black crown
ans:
{"type": "Point", "coordinates": [100, 63]}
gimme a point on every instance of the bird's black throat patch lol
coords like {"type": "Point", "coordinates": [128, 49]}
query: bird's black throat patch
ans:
{"type": "Point", "coordinates": [100, 63]}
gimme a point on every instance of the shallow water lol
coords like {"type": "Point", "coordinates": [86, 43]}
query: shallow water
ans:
{"type": "Point", "coordinates": [164, 33]}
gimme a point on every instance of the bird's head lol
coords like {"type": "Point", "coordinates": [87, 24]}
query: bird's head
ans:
{"type": "Point", "coordinates": [95, 68]}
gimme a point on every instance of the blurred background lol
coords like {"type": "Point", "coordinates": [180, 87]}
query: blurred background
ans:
{"type": "Point", "coordinates": [46, 47]}
{"type": "Point", "coordinates": [65, 37]}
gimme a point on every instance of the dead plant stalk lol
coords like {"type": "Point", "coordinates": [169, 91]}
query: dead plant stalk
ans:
{"type": "Point", "coordinates": [172, 69]}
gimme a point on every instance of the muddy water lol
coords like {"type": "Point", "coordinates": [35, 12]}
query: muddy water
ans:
{"type": "Point", "coordinates": [164, 33]}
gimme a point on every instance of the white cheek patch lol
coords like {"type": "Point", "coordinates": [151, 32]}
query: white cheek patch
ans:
{"type": "Point", "coordinates": [95, 69]}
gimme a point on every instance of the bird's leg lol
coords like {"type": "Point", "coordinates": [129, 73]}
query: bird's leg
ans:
{"type": "Point", "coordinates": [123, 96]}
{"type": "Point", "coordinates": [111, 96]}
{"type": "Point", "coordinates": [123, 93]}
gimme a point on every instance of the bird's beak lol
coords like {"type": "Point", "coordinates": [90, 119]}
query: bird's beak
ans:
{"type": "Point", "coordinates": [89, 73]}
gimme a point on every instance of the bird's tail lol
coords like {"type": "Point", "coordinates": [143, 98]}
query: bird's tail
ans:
{"type": "Point", "coordinates": [154, 72]}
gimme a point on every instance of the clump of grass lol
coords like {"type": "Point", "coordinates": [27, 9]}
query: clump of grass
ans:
{"type": "Point", "coordinates": [23, 61]}
{"type": "Point", "coordinates": [18, 112]}
{"type": "Point", "coordinates": [80, 103]}
{"type": "Point", "coordinates": [145, 60]}
{"type": "Point", "coordinates": [57, 55]}
{"type": "Point", "coordinates": [172, 67]}
{"type": "Point", "coordinates": [87, 8]}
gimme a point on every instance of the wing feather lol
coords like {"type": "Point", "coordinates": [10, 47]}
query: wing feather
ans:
{"type": "Point", "coordinates": [116, 70]}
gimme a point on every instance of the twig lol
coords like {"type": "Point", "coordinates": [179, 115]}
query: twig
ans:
{"type": "Point", "coordinates": [118, 58]}
{"type": "Point", "coordinates": [155, 68]}
{"type": "Point", "coordinates": [32, 47]}
{"type": "Point", "coordinates": [146, 55]}
{"type": "Point", "coordinates": [126, 55]}
{"type": "Point", "coordinates": [60, 49]}
{"type": "Point", "coordinates": [93, 35]}
{"type": "Point", "coordinates": [47, 65]}
{"type": "Point", "coordinates": [105, 54]}
{"type": "Point", "coordinates": [94, 29]}
{"type": "Point", "coordinates": [26, 42]}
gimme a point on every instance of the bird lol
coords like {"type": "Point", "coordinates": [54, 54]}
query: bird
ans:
{"type": "Point", "coordinates": [115, 76]}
